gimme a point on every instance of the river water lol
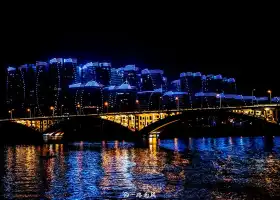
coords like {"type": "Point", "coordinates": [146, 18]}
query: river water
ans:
{"type": "Point", "coordinates": [201, 168]}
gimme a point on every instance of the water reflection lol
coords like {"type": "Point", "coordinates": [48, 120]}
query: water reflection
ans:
{"type": "Point", "coordinates": [226, 168]}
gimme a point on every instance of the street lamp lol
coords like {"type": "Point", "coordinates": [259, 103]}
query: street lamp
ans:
{"type": "Point", "coordinates": [138, 104]}
{"type": "Point", "coordinates": [178, 103]}
{"type": "Point", "coordinates": [253, 96]}
{"type": "Point", "coordinates": [29, 110]}
{"type": "Point", "coordinates": [219, 96]}
{"type": "Point", "coordinates": [52, 108]}
{"type": "Point", "coordinates": [269, 92]}
{"type": "Point", "coordinates": [11, 113]}
{"type": "Point", "coordinates": [79, 106]}
{"type": "Point", "coordinates": [106, 104]}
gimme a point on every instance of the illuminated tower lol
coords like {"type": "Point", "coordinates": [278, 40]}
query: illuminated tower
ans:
{"type": "Point", "coordinates": [103, 73]}
{"type": "Point", "coordinates": [175, 86]}
{"type": "Point", "coordinates": [229, 86]}
{"type": "Point", "coordinates": [42, 88]}
{"type": "Point", "coordinates": [151, 79]}
{"type": "Point", "coordinates": [68, 75]}
{"type": "Point", "coordinates": [55, 83]}
{"type": "Point", "coordinates": [130, 74]}
{"type": "Point", "coordinates": [28, 83]}
{"type": "Point", "coordinates": [214, 83]}
{"type": "Point", "coordinates": [13, 86]}
{"type": "Point", "coordinates": [192, 84]}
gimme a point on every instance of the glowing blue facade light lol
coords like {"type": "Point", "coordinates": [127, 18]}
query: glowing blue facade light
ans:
{"type": "Point", "coordinates": [105, 64]}
{"type": "Point", "coordinates": [111, 87]}
{"type": "Point", "coordinates": [203, 77]}
{"type": "Point", "coordinates": [126, 86]}
{"type": "Point", "coordinates": [23, 67]}
{"type": "Point", "coordinates": [241, 97]}
{"type": "Point", "coordinates": [130, 68]}
{"type": "Point", "coordinates": [76, 85]}
{"type": "Point", "coordinates": [90, 64]}
{"type": "Point", "coordinates": [171, 93]}
{"type": "Point", "coordinates": [275, 99]}
{"type": "Point", "coordinates": [40, 63]}
{"type": "Point", "coordinates": [262, 99]}
{"type": "Point", "coordinates": [93, 84]}
{"type": "Point", "coordinates": [210, 76]}
{"type": "Point", "coordinates": [197, 74]}
{"type": "Point", "coordinates": [230, 96]}
{"type": "Point", "coordinates": [53, 60]}
{"type": "Point", "coordinates": [144, 92]}
{"type": "Point", "coordinates": [176, 82]}
{"type": "Point", "coordinates": [184, 74]}
{"type": "Point", "coordinates": [206, 94]}
{"type": "Point", "coordinates": [68, 60]}
{"type": "Point", "coordinates": [218, 77]}
{"type": "Point", "coordinates": [231, 80]}
{"type": "Point", "coordinates": [152, 71]}
{"type": "Point", "coordinates": [9, 69]}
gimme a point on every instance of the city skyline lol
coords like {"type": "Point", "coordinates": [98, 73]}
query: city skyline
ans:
{"type": "Point", "coordinates": [63, 84]}
{"type": "Point", "coordinates": [163, 51]}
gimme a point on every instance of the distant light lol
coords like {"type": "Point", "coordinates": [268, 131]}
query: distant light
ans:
{"type": "Point", "coordinates": [68, 60]}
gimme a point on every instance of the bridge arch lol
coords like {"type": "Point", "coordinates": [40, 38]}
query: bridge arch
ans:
{"type": "Point", "coordinates": [91, 127]}
{"type": "Point", "coordinates": [194, 114]}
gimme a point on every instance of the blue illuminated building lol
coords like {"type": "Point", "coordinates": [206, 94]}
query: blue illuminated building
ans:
{"type": "Point", "coordinates": [121, 98]}
{"type": "Point", "coordinates": [13, 88]}
{"type": "Point", "coordinates": [74, 87]}
{"type": "Point", "coordinates": [175, 85]}
{"type": "Point", "coordinates": [129, 73]}
{"type": "Point", "coordinates": [42, 88]}
{"type": "Point", "coordinates": [191, 83]}
{"type": "Point", "coordinates": [27, 85]}
{"type": "Point", "coordinates": [151, 79]}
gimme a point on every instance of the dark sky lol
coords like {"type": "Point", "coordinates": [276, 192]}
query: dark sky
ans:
{"type": "Point", "coordinates": [250, 58]}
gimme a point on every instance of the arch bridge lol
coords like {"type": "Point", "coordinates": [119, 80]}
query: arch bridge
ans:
{"type": "Point", "coordinates": [140, 121]}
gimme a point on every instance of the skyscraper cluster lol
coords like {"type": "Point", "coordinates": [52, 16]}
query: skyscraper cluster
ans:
{"type": "Point", "coordinates": [64, 85]}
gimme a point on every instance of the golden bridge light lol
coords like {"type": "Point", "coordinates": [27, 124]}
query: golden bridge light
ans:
{"type": "Point", "coordinates": [51, 108]}
{"type": "Point", "coordinates": [269, 91]}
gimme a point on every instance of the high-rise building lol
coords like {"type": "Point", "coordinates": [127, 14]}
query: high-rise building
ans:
{"type": "Point", "coordinates": [229, 86]}
{"type": "Point", "coordinates": [116, 77]}
{"type": "Point", "coordinates": [103, 73]}
{"type": "Point", "coordinates": [68, 75]}
{"type": "Point", "coordinates": [151, 79]}
{"type": "Point", "coordinates": [13, 88]}
{"type": "Point", "coordinates": [42, 88]}
{"type": "Point", "coordinates": [28, 82]}
{"type": "Point", "coordinates": [214, 83]}
{"type": "Point", "coordinates": [192, 84]}
{"type": "Point", "coordinates": [121, 98]}
{"type": "Point", "coordinates": [55, 83]}
{"type": "Point", "coordinates": [130, 75]}
{"type": "Point", "coordinates": [88, 72]}
{"type": "Point", "coordinates": [175, 86]}
{"type": "Point", "coordinates": [99, 72]}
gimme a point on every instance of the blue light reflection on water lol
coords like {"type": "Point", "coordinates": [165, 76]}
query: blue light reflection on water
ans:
{"type": "Point", "coordinates": [192, 168]}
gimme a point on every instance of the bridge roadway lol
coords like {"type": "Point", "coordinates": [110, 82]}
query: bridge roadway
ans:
{"type": "Point", "coordinates": [137, 120]}
{"type": "Point", "coordinates": [146, 111]}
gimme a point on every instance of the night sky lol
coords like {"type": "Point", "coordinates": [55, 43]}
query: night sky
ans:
{"type": "Point", "coordinates": [250, 59]}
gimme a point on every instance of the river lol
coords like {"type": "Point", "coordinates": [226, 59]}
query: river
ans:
{"type": "Point", "coordinates": [194, 168]}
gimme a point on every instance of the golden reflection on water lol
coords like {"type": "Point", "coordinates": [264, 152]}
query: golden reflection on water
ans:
{"type": "Point", "coordinates": [109, 168]}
